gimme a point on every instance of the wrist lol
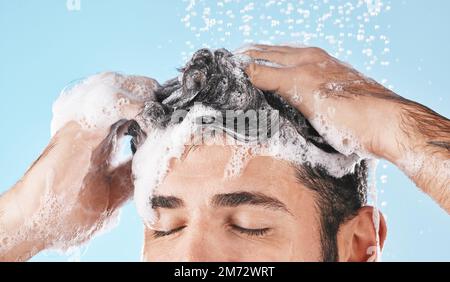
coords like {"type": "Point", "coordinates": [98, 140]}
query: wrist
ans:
{"type": "Point", "coordinates": [391, 140]}
{"type": "Point", "coordinates": [22, 209]}
{"type": "Point", "coordinates": [20, 239]}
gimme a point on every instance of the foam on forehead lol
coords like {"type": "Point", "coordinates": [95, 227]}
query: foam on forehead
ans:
{"type": "Point", "coordinates": [151, 161]}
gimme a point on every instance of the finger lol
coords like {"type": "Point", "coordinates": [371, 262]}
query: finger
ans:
{"type": "Point", "coordinates": [277, 48]}
{"type": "Point", "coordinates": [297, 56]}
{"type": "Point", "coordinates": [271, 56]}
{"type": "Point", "coordinates": [141, 87]}
{"type": "Point", "coordinates": [268, 78]}
{"type": "Point", "coordinates": [295, 85]}
{"type": "Point", "coordinates": [262, 47]}
{"type": "Point", "coordinates": [287, 49]}
{"type": "Point", "coordinates": [101, 156]}
{"type": "Point", "coordinates": [138, 136]}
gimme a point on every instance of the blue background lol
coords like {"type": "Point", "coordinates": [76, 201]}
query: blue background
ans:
{"type": "Point", "coordinates": [44, 46]}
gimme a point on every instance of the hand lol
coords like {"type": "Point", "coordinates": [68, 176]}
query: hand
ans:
{"type": "Point", "coordinates": [72, 190]}
{"type": "Point", "coordinates": [356, 114]}
{"type": "Point", "coordinates": [335, 98]}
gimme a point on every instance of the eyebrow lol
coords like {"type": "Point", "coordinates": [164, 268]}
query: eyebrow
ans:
{"type": "Point", "coordinates": [248, 198]}
{"type": "Point", "coordinates": [167, 202]}
{"type": "Point", "coordinates": [234, 199]}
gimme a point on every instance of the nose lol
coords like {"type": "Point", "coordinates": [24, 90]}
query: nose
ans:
{"type": "Point", "coordinates": [201, 244]}
{"type": "Point", "coordinates": [196, 246]}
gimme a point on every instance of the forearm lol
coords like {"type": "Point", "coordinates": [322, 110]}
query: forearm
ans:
{"type": "Point", "coordinates": [17, 239]}
{"type": "Point", "coordinates": [421, 148]}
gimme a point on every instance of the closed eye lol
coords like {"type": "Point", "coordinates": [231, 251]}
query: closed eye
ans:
{"type": "Point", "coordinates": [159, 233]}
{"type": "Point", "coordinates": [251, 232]}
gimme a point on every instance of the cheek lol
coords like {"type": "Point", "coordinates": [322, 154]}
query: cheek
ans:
{"type": "Point", "coordinates": [305, 243]}
{"type": "Point", "coordinates": [294, 241]}
{"type": "Point", "coordinates": [155, 250]}
{"type": "Point", "coordinates": [304, 234]}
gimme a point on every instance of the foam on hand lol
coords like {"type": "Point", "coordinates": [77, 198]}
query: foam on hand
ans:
{"type": "Point", "coordinates": [95, 103]}
{"type": "Point", "coordinates": [100, 100]}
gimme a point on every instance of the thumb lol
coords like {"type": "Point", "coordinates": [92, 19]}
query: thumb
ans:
{"type": "Point", "coordinates": [104, 153]}
{"type": "Point", "coordinates": [267, 78]}
{"type": "Point", "coordinates": [291, 83]}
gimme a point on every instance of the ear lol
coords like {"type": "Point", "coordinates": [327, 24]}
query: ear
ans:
{"type": "Point", "coordinates": [357, 238]}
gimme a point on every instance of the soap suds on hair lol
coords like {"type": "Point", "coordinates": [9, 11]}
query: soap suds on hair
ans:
{"type": "Point", "coordinates": [211, 85]}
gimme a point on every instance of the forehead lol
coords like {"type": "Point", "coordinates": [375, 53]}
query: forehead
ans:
{"type": "Point", "coordinates": [202, 172]}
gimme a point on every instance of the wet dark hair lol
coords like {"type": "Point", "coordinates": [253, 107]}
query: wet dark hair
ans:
{"type": "Point", "coordinates": [215, 79]}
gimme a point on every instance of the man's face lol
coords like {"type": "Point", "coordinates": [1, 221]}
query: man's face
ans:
{"type": "Point", "coordinates": [263, 214]}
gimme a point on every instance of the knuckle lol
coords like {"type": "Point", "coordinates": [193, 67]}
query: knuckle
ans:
{"type": "Point", "coordinates": [317, 52]}
{"type": "Point", "coordinates": [307, 72]}
{"type": "Point", "coordinates": [251, 70]}
{"type": "Point", "coordinates": [308, 68]}
{"type": "Point", "coordinates": [252, 53]}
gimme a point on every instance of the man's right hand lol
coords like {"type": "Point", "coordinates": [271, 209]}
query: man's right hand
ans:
{"type": "Point", "coordinates": [74, 188]}
{"type": "Point", "coordinates": [67, 195]}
